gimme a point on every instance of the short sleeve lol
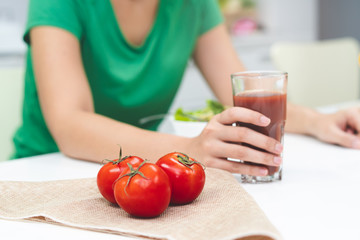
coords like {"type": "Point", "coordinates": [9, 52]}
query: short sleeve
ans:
{"type": "Point", "coordinates": [211, 15]}
{"type": "Point", "coordinates": [63, 14]}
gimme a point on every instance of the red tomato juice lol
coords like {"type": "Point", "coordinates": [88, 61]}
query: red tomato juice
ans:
{"type": "Point", "coordinates": [272, 105]}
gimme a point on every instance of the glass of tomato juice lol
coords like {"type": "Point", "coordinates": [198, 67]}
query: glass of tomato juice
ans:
{"type": "Point", "coordinates": [264, 92]}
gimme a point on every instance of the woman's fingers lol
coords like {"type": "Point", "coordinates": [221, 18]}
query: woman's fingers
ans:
{"type": "Point", "coordinates": [249, 136]}
{"type": "Point", "coordinates": [341, 128]}
{"type": "Point", "coordinates": [237, 142]}
{"type": "Point", "coordinates": [353, 119]}
{"type": "Point", "coordinates": [237, 167]}
{"type": "Point", "coordinates": [238, 114]}
{"type": "Point", "coordinates": [346, 139]}
{"type": "Point", "coordinates": [246, 153]}
{"type": "Point", "coordinates": [257, 152]}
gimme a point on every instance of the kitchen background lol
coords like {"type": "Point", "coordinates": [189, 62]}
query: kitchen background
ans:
{"type": "Point", "coordinates": [254, 24]}
{"type": "Point", "coordinates": [259, 24]}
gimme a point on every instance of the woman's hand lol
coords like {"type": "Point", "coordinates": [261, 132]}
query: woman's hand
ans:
{"type": "Point", "coordinates": [220, 140]}
{"type": "Point", "coordinates": [341, 128]}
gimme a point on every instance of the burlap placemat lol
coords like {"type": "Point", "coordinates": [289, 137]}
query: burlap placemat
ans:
{"type": "Point", "coordinates": [224, 210]}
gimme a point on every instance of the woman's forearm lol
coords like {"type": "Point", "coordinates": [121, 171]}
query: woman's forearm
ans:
{"type": "Point", "coordinates": [300, 119]}
{"type": "Point", "coordinates": [89, 136]}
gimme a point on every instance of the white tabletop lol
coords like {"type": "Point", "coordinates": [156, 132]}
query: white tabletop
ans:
{"type": "Point", "coordinates": [318, 198]}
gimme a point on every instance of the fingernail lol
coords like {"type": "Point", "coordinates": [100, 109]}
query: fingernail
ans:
{"type": "Point", "coordinates": [356, 143]}
{"type": "Point", "coordinates": [263, 172]}
{"type": "Point", "coordinates": [264, 120]}
{"type": "Point", "coordinates": [277, 160]}
{"type": "Point", "coordinates": [278, 148]}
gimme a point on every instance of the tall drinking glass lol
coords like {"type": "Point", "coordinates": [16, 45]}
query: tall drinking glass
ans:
{"type": "Point", "coordinates": [264, 92]}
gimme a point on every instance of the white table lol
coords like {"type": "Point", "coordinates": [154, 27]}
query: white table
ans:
{"type": "Point", "coordinates": [318, 198]}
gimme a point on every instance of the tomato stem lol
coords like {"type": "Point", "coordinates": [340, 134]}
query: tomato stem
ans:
{"type": "Point", "coordinates": [185, 160]}
{"type": "Point", "coordinates": [133, 172]}
{"type": "Point", "coordinates": [117, 161]}
{"type": "Point", "coordinates": [120, 152]}
{"type": "Point", "coordinates": [107, 160]}
{"type": "Point", "coordinates": [121, 158]}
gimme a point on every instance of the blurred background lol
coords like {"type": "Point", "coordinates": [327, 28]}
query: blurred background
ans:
{"type": "Point", "coordinates": [255, 26]}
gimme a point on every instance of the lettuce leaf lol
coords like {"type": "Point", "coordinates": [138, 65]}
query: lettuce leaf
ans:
{"type": "Point", "coordinates": [202, 115]}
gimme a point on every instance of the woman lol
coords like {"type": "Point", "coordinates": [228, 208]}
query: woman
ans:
{"type": "Point", "coordinates": [94, 68]}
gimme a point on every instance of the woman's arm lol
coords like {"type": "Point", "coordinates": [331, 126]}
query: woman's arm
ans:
{"type": "Point", "coordinates": [66, 102]}
{"type": "Point", "coordinates": [217, 60]}
{"type": "Point", "coordinates": [341, 128]}
{"type": "Point", "coordinates": [67, 105]}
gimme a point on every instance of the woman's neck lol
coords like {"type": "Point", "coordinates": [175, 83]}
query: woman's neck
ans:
{"type": "Point", "coordinates": [135, 18]}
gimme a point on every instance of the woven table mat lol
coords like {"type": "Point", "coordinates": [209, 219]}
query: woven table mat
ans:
{"type": "Point", "coordinates": [224, 210]}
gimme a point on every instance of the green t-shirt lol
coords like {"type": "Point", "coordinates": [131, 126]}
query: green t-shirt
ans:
{"type": "Point", "coordinates": [127, 82]}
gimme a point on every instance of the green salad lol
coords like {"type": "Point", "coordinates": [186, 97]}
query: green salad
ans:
{"type": "Point", "coordinates": [202, 115]}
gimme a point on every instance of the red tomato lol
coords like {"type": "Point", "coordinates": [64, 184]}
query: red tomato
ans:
{"type": "Point", "coordinates": [187, 177]}
{"type": "Point", "coordinates": [111, 171]}
{"type": "Point", "coordinates": [143, 192]}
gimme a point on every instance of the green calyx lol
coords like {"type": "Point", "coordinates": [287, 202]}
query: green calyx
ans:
{"type": "Point", "coordinates": [119, 160]}
{"type": "Point", "coordinates": [133, 172]}
{"type": "Point", "coordinates": [185, 160]}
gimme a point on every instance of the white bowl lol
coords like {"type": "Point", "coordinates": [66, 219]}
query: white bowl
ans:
{"type": "Point", "coordinates": [186, 129]}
